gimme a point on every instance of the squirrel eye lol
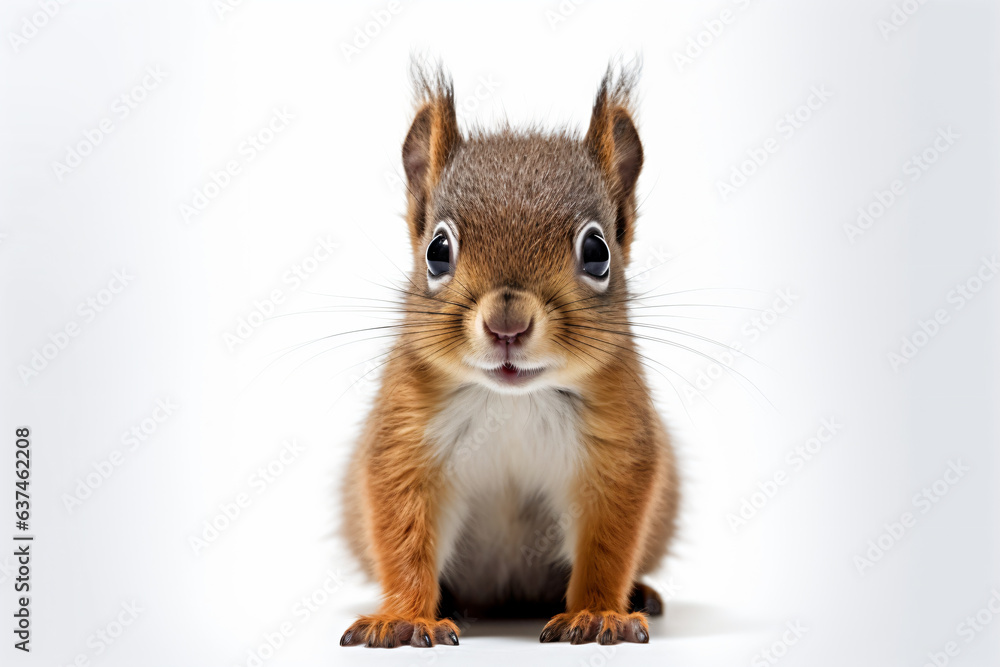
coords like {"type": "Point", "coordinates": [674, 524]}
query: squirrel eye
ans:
{"type": "Point", "coordinates": [596, 256]}
{"type": "Point", "coordinates": [438, 255]}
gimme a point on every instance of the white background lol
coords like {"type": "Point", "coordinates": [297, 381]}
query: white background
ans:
{"type": "Point", "coordinates": [333, 174]}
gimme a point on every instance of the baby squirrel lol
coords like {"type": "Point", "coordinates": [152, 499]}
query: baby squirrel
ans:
{"type": "Point", "coordinates": [513, 464]}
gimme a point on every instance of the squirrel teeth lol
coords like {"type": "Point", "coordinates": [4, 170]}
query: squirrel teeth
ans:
{"type": "Point", "coordinates": [509, 372]}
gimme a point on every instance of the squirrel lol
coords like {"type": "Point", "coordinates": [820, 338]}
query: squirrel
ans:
{"type": "Point", "coordinates": [513, 463]}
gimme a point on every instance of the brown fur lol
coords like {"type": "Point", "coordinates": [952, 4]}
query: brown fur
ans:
{"type": "Point", "coordinates": [516, 198]}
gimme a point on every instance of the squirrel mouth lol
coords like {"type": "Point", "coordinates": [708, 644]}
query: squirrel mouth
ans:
{"type": "Point", "coordinates": [508, 373]}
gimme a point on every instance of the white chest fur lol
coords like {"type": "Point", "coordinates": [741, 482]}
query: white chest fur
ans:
{"type": "Point", "coordinates": [510, 463]}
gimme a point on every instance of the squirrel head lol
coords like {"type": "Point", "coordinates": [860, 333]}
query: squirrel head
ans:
{"type": "Point", "coordinates": [520, 241]}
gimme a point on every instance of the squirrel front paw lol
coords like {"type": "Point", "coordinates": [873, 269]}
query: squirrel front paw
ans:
{"type": "Point", "coordinates": [604, 627]}
{"type": "Point", "coordinates": [388, 631]}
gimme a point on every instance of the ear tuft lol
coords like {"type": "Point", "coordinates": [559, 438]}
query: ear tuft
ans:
{"type": "Point", "coordinates": [614, 142]}
{"type": "Point", "coordinates": [432, 138]}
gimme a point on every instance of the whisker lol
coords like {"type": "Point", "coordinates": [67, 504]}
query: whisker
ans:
{"type": "Point", "coordinates": [353, 342]}
{"type": "Point", "coordinates": [372, 310]}
{"type": "Point", "coordinates": [423, 296]}
{"type": "Point", "coordinates": [641, 359]}
{"type": "Point", "coordinates": [292, 348]}
{"type": "Point", "coordinates": [635, 379]}
{"type": "Point", "coordinates": [725, 367]}
{"type": "Point", "coordinates": [669, 329]}
{"type": "Point", "coordinates": [468, 293]}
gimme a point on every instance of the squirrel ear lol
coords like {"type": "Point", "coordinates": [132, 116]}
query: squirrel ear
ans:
{"type": "Point", "coordinates": [614, 142]}
{"type": "Point", "coordinates": [429, 144]}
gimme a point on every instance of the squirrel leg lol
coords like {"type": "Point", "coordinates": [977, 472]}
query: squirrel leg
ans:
{"type": "Point", "coordinates": [612, 525]}
{"type": "Point", "coordinates": [402, 503]}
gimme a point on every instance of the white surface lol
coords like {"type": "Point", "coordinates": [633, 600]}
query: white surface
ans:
{"type": "Point", "coordinates": [333, 171]}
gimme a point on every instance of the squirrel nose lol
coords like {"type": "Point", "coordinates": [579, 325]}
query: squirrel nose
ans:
{"type": "Point", "coordinates": [507, 330]}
